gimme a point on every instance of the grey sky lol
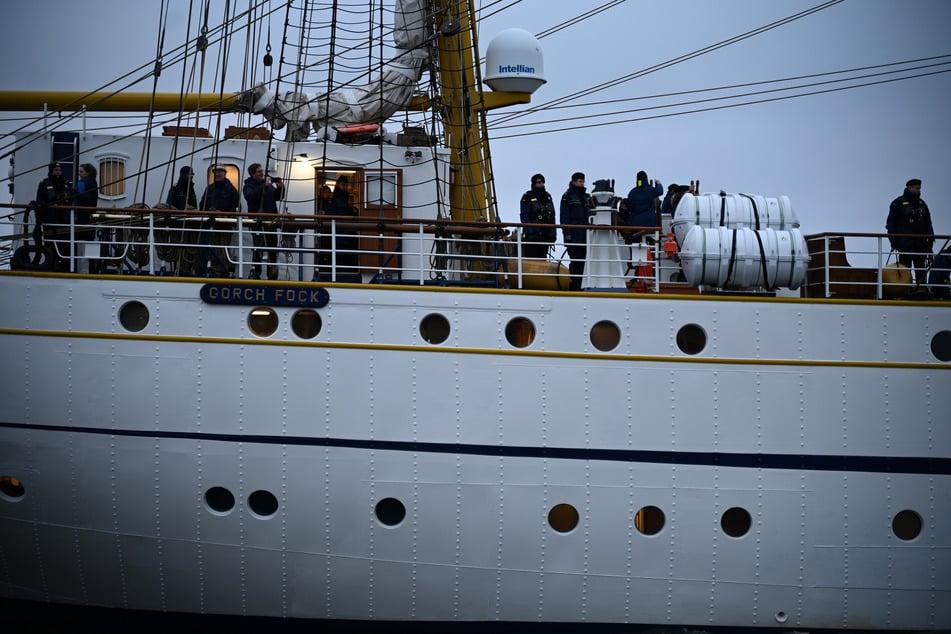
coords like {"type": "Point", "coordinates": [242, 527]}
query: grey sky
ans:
{"type": "Point", "coordinates": [841, 156]}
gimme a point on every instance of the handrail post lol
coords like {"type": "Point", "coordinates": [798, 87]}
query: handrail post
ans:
{"type": "Point", "coordinates": [422, 234]}
{"type": "Point", "coordinates": [825, 269]}
{"type": "Point", "coordinates": [879, 270]}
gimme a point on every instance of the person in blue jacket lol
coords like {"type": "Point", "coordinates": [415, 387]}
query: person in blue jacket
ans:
{"type": "Point", "coordinates": [536, 207]}
{"type": "Point", "coordinates": [575, 205]}
{"type": "Point", "coordinates": [262, 192]}
{"type": "Point", "coordinates": [87, 195]}
{"type": "Point", "coordinates": [641, 203]}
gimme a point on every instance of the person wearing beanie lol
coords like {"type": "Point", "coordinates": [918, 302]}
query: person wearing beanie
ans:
{"type": "Point", "coordinates": [575, 204]}
{"type": "Point", "coordinates": [262, 193]}
{"type": "Point", "coordinates": [643, 203]}
{"type": "Point", "coordinates": [182, 194]}
{"type": "Point", "coordinates": [346, 244]}
{"type": "Point", "coordinates": [537, 208]}
{"type": "Point", "coordinates": [910, 231]}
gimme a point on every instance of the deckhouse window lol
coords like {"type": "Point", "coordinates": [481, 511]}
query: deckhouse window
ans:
{"type": "Point", "coordinates": [112, 176]}
{"type": "Point", "coordinates": [382, 189]}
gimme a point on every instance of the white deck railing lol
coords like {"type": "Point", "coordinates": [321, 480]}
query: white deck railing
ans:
{"type": "Point", "coordinates": [201, 243]}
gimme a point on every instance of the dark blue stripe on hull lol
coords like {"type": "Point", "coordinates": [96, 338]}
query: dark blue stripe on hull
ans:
{"type": "Point", "coordinates": [795, 462]}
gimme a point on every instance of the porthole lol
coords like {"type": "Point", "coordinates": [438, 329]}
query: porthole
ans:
{"type": "Point", "coordinates": [520, 332]}
{"type": "Point", "coordinates": [434, 328]}
{"type": "Point", "coordinates": [605, 335]}
{"type": "Point", "coordinates": [11, 488]}
{"type": "Point", "coordinates": [649, 520]}
{"type": "Point", "coordinates": [134, 316]}
{"type": "Point", "coordinates": [941, 345]}
{"type": "Point", "coordinates": [736, 522]}
{"type": "Point", "coordinates": [263, 321]}
{"type": "Point", "coordinates": [390, 511]}
{"type": "Point", "coordinates": [906, 525]}
{"type": "Point", "coordinates": [563, 518]}
{"type": "Point", "coordinates": [262, 503]}
{"type": "Point", "coordinates": [306, 323]}
{"type": "Point", "coordinates": [691, 339]}
{"type": "Point", "coordinates": [219, 499]}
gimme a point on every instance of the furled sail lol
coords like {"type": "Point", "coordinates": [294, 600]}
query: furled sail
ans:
{"type": "Point", "coordinates": [372, 103]}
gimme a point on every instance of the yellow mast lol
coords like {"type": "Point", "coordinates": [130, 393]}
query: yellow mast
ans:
{"type": "Point", "coordinates": [471, 191]}
{"type": "Point", "coordinates": [58, 101]}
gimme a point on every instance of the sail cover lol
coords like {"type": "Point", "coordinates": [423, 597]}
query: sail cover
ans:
{"type": "Point", "coordinates": [371, 103]}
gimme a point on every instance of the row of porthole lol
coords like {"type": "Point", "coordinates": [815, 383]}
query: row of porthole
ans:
{"type": "Point", "coordinates": [563, 518]}
{"type": "Point", "coordinates": [434, 328]}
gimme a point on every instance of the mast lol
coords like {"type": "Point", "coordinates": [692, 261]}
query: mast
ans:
{"type": "Point", "coordinates": [471, 188]}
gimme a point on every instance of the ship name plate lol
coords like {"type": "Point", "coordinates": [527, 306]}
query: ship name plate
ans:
{"type": "Point", "coordinates": [258, 295]}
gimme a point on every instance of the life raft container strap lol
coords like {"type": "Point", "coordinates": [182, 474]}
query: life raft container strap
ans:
{"type": "Point", "coordinates": [762, 260]}
{"type": "Point", "coordinates": [755, 210]}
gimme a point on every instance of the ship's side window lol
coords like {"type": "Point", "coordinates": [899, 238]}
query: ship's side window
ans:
{"type": "Point", "coordinates": [111, 176]}
{"type": "Point", "coordinates": [306, 323]}
{"type": "Point", "coordinates": [520, 332]}
{"type": "Point", "coordinates": [434, 328]}
{"type": "Point", "coordinates": [906, 525]}
{"type": "Point", "coordinates": [11, 488]}
{"type": "Point", "coordinates": [605, 335]}
{"type": "Point", "coordinates": [263, 321]}
{"type": "Point", "coordinates": [134, 316]}
{"type": "Point", "coordinates": [563, 518]}
{"type": "Point", "coordinates": [390, 511]}
{"type": "Point", "coordinates": [649, 520]}
{"type": "Point", "coordinates": [941, 345]}
{"type": "Point", "coordinates": [219, 500]}
{"type": "Point", "coordinates": [262, 503]}
{"type": "Point", "coordinates": [736, 522]}
{"type": "Point", "coordinates": [691, 339]}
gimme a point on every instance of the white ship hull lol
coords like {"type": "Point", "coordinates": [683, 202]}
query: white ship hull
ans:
{"type": "Point", "coordinates": [787, 413]}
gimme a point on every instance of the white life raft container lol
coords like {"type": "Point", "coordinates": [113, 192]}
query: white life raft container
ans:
{"type": "Point", "coordinates": [744, 258]}
{"type": "Point", "coordinates": [732, 211]}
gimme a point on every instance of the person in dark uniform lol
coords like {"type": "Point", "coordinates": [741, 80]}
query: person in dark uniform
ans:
{"type": "Point", "coordinates": [575, 204]}
{"type": "Point", "coordinates": [53, 190]}
{"type": "Point", "coordinates": [642, 203]}
{"type": "Point", "coordinates": [537, 207]}
{"type": "Point", "coordinates": [220, 195]}
{"type": "Point", "coordinates": [344, 245]}
{"type": "Point", "coordinates": [911, 233]}
{"type": "Point", "coordinates": [181, 195]}
{"type": "Point", "coordinates": [262, 193]}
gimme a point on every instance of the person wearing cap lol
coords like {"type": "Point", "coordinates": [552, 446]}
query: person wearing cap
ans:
{"type": "Point", "coordinates": [537, 208]}
{"type": "Point", "coordinates": [220, 195]}
{"type": "Point", "coordinates": [910, 231]}
{"type": "Point", "coordinates": [262, 192]}
{"type": "Point", "coordinates": [643, 203]}
{"type": "Point", "coordinates": [575, 205]}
